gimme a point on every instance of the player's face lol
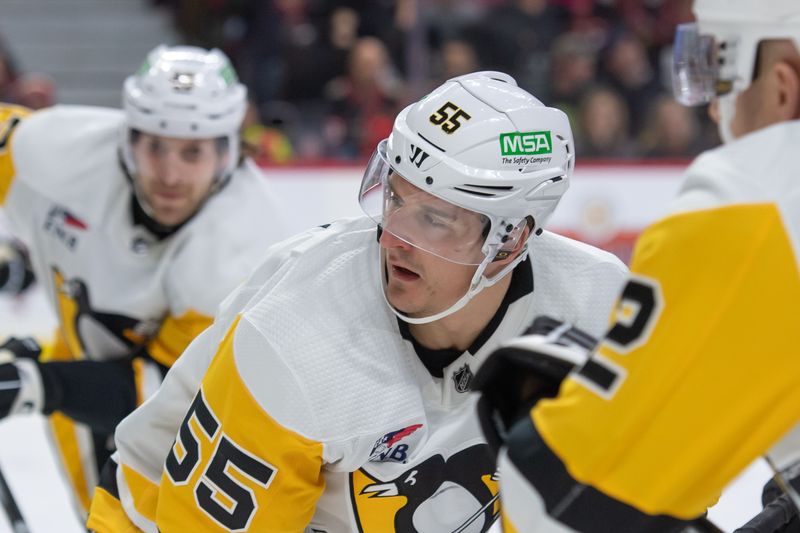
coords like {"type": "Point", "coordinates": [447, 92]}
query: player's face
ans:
{"type": "Point", "coordinates": [420, 283]}
{"type": "Point", "coordinates": [175, 175]}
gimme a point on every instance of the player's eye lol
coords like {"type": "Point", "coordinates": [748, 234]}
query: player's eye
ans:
{"type": "Point", "coordinates": [155, 147]}
{"type": "Point", "coordinates": [191, 154]}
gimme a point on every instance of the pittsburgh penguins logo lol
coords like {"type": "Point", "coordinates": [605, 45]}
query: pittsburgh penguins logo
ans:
{"type": "Point", "coordinates": [456, 494]}
{"type": "Point", "coordinates": [88, 331]}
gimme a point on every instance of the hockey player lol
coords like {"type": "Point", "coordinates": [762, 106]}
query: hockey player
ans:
{"type": "Point", "coordinates": [332, 392]}
{"type": "Point", "coordinates": [699, 373]}
{"type": "Point", "coordinates": [138, 223]}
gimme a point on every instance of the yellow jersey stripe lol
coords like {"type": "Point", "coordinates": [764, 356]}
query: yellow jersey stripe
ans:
{"type": "Point", "coordinates": [175, 335]}
{"type": "Point", "coordinates": [108, 516]}
{"type": "Point", "coordinates": [143, 491]}
{"type": "Point", "coordinates": [10, 117]}
{"type": "Point", "coordinates": [290, 465]}
{"type": "Point", "coordinates": [678, 429]}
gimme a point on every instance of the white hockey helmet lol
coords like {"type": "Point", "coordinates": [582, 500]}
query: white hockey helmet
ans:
{"type": "Point", "coordinates": [482, 144]}
{"type": "Point", "coordinates": [715, 57]}
{"type": "Point", "coordinates": [185, 92]}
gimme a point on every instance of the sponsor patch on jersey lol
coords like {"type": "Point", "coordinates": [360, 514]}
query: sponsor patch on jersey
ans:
{"type": "Point", "coordinates": [462, 379]}
{"type": "Point", "coordinates": [64, 226]}
{"type": "Point", "coordinates": [389, 447]}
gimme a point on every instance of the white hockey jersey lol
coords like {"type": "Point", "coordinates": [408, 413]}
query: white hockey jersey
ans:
{"type": "Point", "coordinates": [112, 283]}
{"type": "Point", "coordinates": [309, 411]}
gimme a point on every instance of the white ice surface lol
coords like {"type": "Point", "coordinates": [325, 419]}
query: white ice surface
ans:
{"type": "Point", "coordinates": [28, 461]}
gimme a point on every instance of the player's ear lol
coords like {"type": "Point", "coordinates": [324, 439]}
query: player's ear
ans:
{"type": "Point", "coordinates": [786, 80]}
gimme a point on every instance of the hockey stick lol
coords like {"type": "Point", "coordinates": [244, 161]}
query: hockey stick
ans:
{"type": "Point", "coordinates": [11, 508]}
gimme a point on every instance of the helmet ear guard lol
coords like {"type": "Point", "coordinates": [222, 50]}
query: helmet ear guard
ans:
{"type": "Point", "coordinates": [515, 240]}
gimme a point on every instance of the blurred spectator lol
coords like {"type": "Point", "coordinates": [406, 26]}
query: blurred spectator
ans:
{"type": "Point", "coordinates": [626, 68]}
{"type": "Point", "coordinates": [350, 64]}
{"type": "Point", "coordinates": [35, 91]}
{"type": "Point", "coordinates": [592, 18]}
{"type": "Point", "coordinates": [312, 62]}
{"type": "Point", "coordinates": [603, 126]}
{"type": "Point", "coordinates": [8, 74]}
{"type": "Point", "coordinates": [521, 34]}
{"type": "Point", "coordinates": [266, 143]}
{"type": "Point", "coordinates": [671, 131]}
{"type": "Point", "coordinates": [363, 103]}
{"type": "Point", "coordinates": [574, 64]}
{"type": "Point", "coordinates": [654, 21]}
{"type": "Point", "coordinates": [457, 57]}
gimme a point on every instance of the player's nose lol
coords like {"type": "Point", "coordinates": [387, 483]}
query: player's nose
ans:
{"type": "Point", "coordinates": [390, 240]}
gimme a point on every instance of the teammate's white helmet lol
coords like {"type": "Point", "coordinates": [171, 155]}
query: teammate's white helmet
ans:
{"type": "Point", "coordinates": [483, 144]}
{"type": "Point", "coordinates": [185, 92]}
{"type": "Point", "coordinates": [715, 57]}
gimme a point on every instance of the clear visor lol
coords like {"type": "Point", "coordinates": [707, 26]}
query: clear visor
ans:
{"type": "Point", "coordinates": [419, 218]}
{"type": "Point", "coordinates": [696, 62]}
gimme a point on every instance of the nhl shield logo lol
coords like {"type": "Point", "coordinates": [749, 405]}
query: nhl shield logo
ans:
{"type": "Point", "coordinates": [462, 378]}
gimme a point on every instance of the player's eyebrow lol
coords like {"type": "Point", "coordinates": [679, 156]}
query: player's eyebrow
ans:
{"type": "Point", "coordinates": [440, 213]}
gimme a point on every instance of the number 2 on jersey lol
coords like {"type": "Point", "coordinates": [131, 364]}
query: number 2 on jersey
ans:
{"type": "Point", "coordinates": [636, 313]}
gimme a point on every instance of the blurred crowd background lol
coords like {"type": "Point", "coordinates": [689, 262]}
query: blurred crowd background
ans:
{"type": "Point", "coordinates": [327, 77]}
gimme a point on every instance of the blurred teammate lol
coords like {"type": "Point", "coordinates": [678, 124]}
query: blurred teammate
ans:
{"type": "Point", "coordinates": [699, 373]}
{"type": "Point", "coordinates": [332, 392]}
{"type": "Point", "coordinates": [137, 222]}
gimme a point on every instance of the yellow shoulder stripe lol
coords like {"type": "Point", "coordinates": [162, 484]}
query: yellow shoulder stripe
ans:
{"type": "Point", "coordinates": [175, 335]}
{"type": "Point", "coordinates": [10, 117]}
{"type": "Point", "coordinates": [108, 516]}
{"type": "Point", "coordinates": [245, 471]}
{"type": "Point", "coordinates": [730, 286]}
{"type": "Point", "coordinates": [143, 491]}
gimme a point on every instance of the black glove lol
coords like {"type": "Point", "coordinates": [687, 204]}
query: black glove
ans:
{"type": "Point", "coordinates": [19, 348]}
{"type": "Point", "coordinates": [521, 372]}
{"type": "Point", "coordinates": [21, 389]}
{"type": "Point", "coordinates": [778, 516]}
{"type": "Point", "coordinates": [16, 274]}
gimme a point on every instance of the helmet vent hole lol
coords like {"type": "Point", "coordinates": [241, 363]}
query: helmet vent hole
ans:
{"type": "Point", "coordinates": [429, 180]}
{"type": "Point", "coordinates": [475, 193]}
{"type": "Point", "coordinates": [194, 127]}
{"type": "Point", "coordinates": [163, 124]}
{"type": "Point", "coordinates": [397, 160]}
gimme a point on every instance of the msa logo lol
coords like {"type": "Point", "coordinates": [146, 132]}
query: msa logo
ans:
{"type": "Point", "coordinates": [528, 143]}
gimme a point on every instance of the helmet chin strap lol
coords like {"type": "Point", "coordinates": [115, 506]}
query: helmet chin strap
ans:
{"type": "Point", "coordinates": [727, 109]}
{"type": "Point", "coordinates": [478, 283]}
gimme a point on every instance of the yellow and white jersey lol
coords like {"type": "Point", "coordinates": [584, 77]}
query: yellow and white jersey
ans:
{"type": "Point", "coordinates": [699, 373]}
{"type": "Point", "coordinates": [112, 283]}
{"type": "Point", "coordinates": [304, 408]}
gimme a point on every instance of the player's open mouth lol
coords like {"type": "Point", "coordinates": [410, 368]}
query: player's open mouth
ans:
{"type": "Point", "coordinates": [404, 274]}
